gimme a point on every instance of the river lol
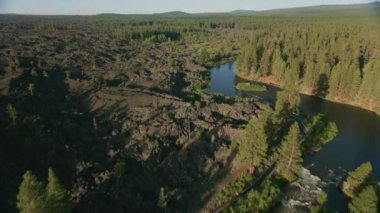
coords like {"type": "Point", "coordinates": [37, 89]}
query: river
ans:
{"type": "Point", "coordinates": [358, 139]}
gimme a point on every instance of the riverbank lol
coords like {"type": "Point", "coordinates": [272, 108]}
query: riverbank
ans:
{"type": "Point", "coordinates": [308, 92]}
{"type": "Point", "coordinates": [358, 135]}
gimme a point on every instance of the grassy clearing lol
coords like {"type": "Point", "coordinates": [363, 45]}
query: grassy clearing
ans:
{"type": "Point", "coordinates": [251, 87]}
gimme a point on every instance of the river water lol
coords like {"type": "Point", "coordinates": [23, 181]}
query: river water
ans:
{"type": "Point", "coordinates": [358, 139]}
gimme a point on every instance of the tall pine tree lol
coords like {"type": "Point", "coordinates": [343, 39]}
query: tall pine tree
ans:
{"type": "Point", "coordinates": [366, 201]}
{"type": "Point", "coordinates": [57, 196]}
{"type": "Point", "coordinates": [254, 145]}
{"type": "Point", "coordinates": [31, 197]}
{"type": "Point", "coordinates": [278, 65]}
{"type": "Point", "coordinates": [357, 179]}
{"type": "Point", "coordinates": [320, 131]}
{"type": "Point", "coordinates": [290, 155]}
{"type": "Point", "coordinates": [287, 104]}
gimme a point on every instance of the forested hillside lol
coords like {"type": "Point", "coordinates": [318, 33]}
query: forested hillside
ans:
{"type": "Point", "coordinates": [335, 57]}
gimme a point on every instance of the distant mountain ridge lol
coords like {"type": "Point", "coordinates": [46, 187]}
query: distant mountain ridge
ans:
{"type": "Point", "coordinates": [173, 13]}
{"type": "Point", "coordinates": [370, 5]}
{"type": "Point", "coordinates": [374, 4]}
{"type": "Point", "coordinates": [241, 12]}
{"type": "Point", "coordinates": [339, 9]}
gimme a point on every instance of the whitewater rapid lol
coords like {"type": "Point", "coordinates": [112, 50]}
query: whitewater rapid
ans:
{"type": "Point", "coordinates": [300, 194]}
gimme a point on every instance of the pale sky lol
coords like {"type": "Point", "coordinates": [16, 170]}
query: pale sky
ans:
{"type": "Point", "coordinates": [86, 7]}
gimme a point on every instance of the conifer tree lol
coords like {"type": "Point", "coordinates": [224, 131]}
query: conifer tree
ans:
{"type": "Point", "coordinates": [310, 77]}
{"type": "Point", "coordinates": [31, 197]}
{"type": "Point", "coordinates": [354, 82]}
{"type": "Point", "coordinates": [290, 155]}
{"type": "Point", "coordinates": [335, 81]}
{"type": "Point", "coordinates": [319, 206]}
{"type": "Point", "coordinates": [12, 113]}
{"type": "Point", "coordinates": [369, 91]}
{"type": "Point", "coordinates": [265, 62]}
{"type": "Point", "coordinates": [254, 145]}
{"type": "Point", "coordinates": [320, 131]}
{"type": "Point", "coordinates": [31, 89]}
{"type": "Point", "coordinates": [162, 202]}
{"type": "Point", "coordinates": [57, 196]}
{"type": "Point", "coordinates": [278, 65]}
{"type": "Point", "coordinates": [203, 56]}
{"type": "Point", "coordinates": [357, 179]}
{"type": "Point", "coordinates": [251, 60]}
{"type": "Point", "coordinates": [287, 104]}
{"type": "Point", "coordinates": [366, 201]}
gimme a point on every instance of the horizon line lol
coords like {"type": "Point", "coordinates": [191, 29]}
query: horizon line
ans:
{"type": "Point", "coordinates": [189, 13]}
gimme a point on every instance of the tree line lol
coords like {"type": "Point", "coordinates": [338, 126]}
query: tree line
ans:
{"type": "Point", "coordinates": [337, 59]}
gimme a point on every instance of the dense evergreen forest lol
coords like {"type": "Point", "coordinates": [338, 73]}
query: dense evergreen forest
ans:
{"type": "Point", "coordinates": [332, 57]}
{"type": "Point", "coordinates": [108, 113]}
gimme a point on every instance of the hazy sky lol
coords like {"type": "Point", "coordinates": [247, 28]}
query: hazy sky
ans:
{"type": "Point", "coordinates": [152, 6]}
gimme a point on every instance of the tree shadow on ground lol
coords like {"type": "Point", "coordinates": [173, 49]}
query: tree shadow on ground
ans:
{"type": "Point", "coordinates": [52, 129]}
{"type": "Point", "coordinates": [322, 89]}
